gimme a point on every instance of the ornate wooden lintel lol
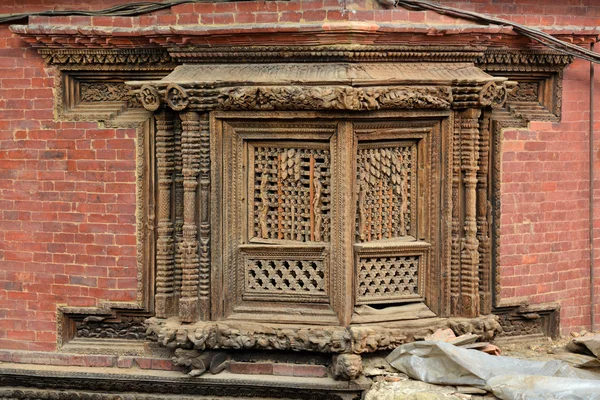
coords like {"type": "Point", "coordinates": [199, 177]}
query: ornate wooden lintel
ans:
{"type": "Point", "coordinates": [335, 86]}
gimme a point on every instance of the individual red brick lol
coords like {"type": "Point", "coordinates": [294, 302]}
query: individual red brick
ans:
{"type": "Point", "coordinates": [316, 371]}
{"type": "Point", "coordinates": [283, 369]}
{"type": "Point", "coordinates": [125, 362]}
{"type": "Point", "coordinates": [290, 17]}
{"type": "Point", "coordinates": [251, 368]}
{"type": "Point", "coordinates": [100, 361]}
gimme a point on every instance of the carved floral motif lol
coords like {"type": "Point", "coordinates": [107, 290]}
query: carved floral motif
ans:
{"type": "Point", "coordinates": [333, 98]}
{"type": "Point", "coordinates": [108, 91]}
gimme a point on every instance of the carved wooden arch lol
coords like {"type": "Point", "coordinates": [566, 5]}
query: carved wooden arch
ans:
{"type": "Point", "coordinates": [205, 118]}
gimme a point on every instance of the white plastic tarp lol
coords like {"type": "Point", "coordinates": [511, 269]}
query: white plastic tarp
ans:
{"type": "Point", "coordinates": [506, 377]}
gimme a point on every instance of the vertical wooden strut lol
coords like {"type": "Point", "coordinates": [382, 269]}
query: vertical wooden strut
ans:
{"type": "Point", "coordinates": [204, 280]}
{"type": "Point", "coordinates": [190, 154]}
{"type": "Point", "coordinates": [483, 219]}
{"type": "Point", "coordinates": [469, 257]}
{"type": "Point", "coordinates": [178, 208]}
{"type": "Point", "coordinates": [165, 260]}
{"type": "Point", "coordinates": [456, 215]}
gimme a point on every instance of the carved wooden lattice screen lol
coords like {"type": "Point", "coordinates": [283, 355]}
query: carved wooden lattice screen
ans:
{"type": "Point", "coordinates": [333, 213]}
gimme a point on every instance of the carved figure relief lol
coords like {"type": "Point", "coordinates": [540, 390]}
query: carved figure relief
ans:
{"type": "Point", "coordinates": [525, 91]}
{"type": "Point", "coordinates": [346, 366]}
{"type": "Point", "coordinates": [291, 193]}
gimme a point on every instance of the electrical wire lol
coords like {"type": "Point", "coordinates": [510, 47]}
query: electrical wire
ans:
{"type": "Point", "coordinates": [532, 33]}
{"type": "Point", "coordinates": [122, 10]}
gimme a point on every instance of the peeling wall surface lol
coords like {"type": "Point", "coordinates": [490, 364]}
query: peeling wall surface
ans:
{"type": "Point", "coordinates": [68, 187]}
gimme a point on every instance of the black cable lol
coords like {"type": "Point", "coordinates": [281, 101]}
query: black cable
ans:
{"type": "Point", "coordinates": [122, 10]}
{"type": "Point", "coordinates": [534, 34]}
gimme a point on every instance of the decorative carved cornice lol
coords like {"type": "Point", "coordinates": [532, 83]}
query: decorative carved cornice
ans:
{"type": "Point", "coordinates": [327, 33]}
{"type": "Point", "coordinates": [78, 56]}
{"type": "Point", "coordinates": [524, 57]}
{"type": "Point", "coordinates": [327, 53]}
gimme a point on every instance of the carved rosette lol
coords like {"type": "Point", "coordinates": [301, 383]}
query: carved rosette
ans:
{"type": "Point", "coordinates": [493, 95]}
{"type": "Point", "coordinates": [149, 97]}
{"type": "Point", "coordinates": [176, 97]}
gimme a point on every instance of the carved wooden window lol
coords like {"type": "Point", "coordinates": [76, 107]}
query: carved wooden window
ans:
{"type": "Point", "coordinates": [325, 217]}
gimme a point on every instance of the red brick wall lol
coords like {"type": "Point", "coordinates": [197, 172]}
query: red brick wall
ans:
{"type": "Point", "coordinates": [67, 201]}
{"type": "Point", "coordinates": [67, 192]}
{"type": "Point", "coordinates": [545, 207]}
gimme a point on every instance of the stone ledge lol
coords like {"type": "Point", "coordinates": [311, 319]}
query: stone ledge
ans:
{"type": "Point", "coordinates": [85, 381]}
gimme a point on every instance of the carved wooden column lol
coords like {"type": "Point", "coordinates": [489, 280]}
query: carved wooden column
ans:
{"type": "Point", "coordinates": [484, 218]}
{"type": "Point", "coordinates": [456, 215]}
{"type": "Point", "coordinates": [195, 285]}
{"type": "Point", "coordinates": [165, 260]}
{"type": "Point", "coordinates": [178, 209]}
{"type": "Point", "coordinates": [465, 246]}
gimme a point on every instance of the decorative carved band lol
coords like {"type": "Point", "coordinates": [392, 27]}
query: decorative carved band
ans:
{"type": "Point", "coordinates": [484, 217]}
{"type": "Point", "coordinates": [301, 98]}
{"type": "Point", "coordinates": [327, 53]}
{"type": "Point", "coordinates": [322, 339]}
{"type": "Point", "coordinates": [105, 56]}
{"type": "Point", "coordinates": [235, 54]}
{"type": "Point", "coordinates": [76, 385]}
{"type": "Point", "coordinates": [534, 57]}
